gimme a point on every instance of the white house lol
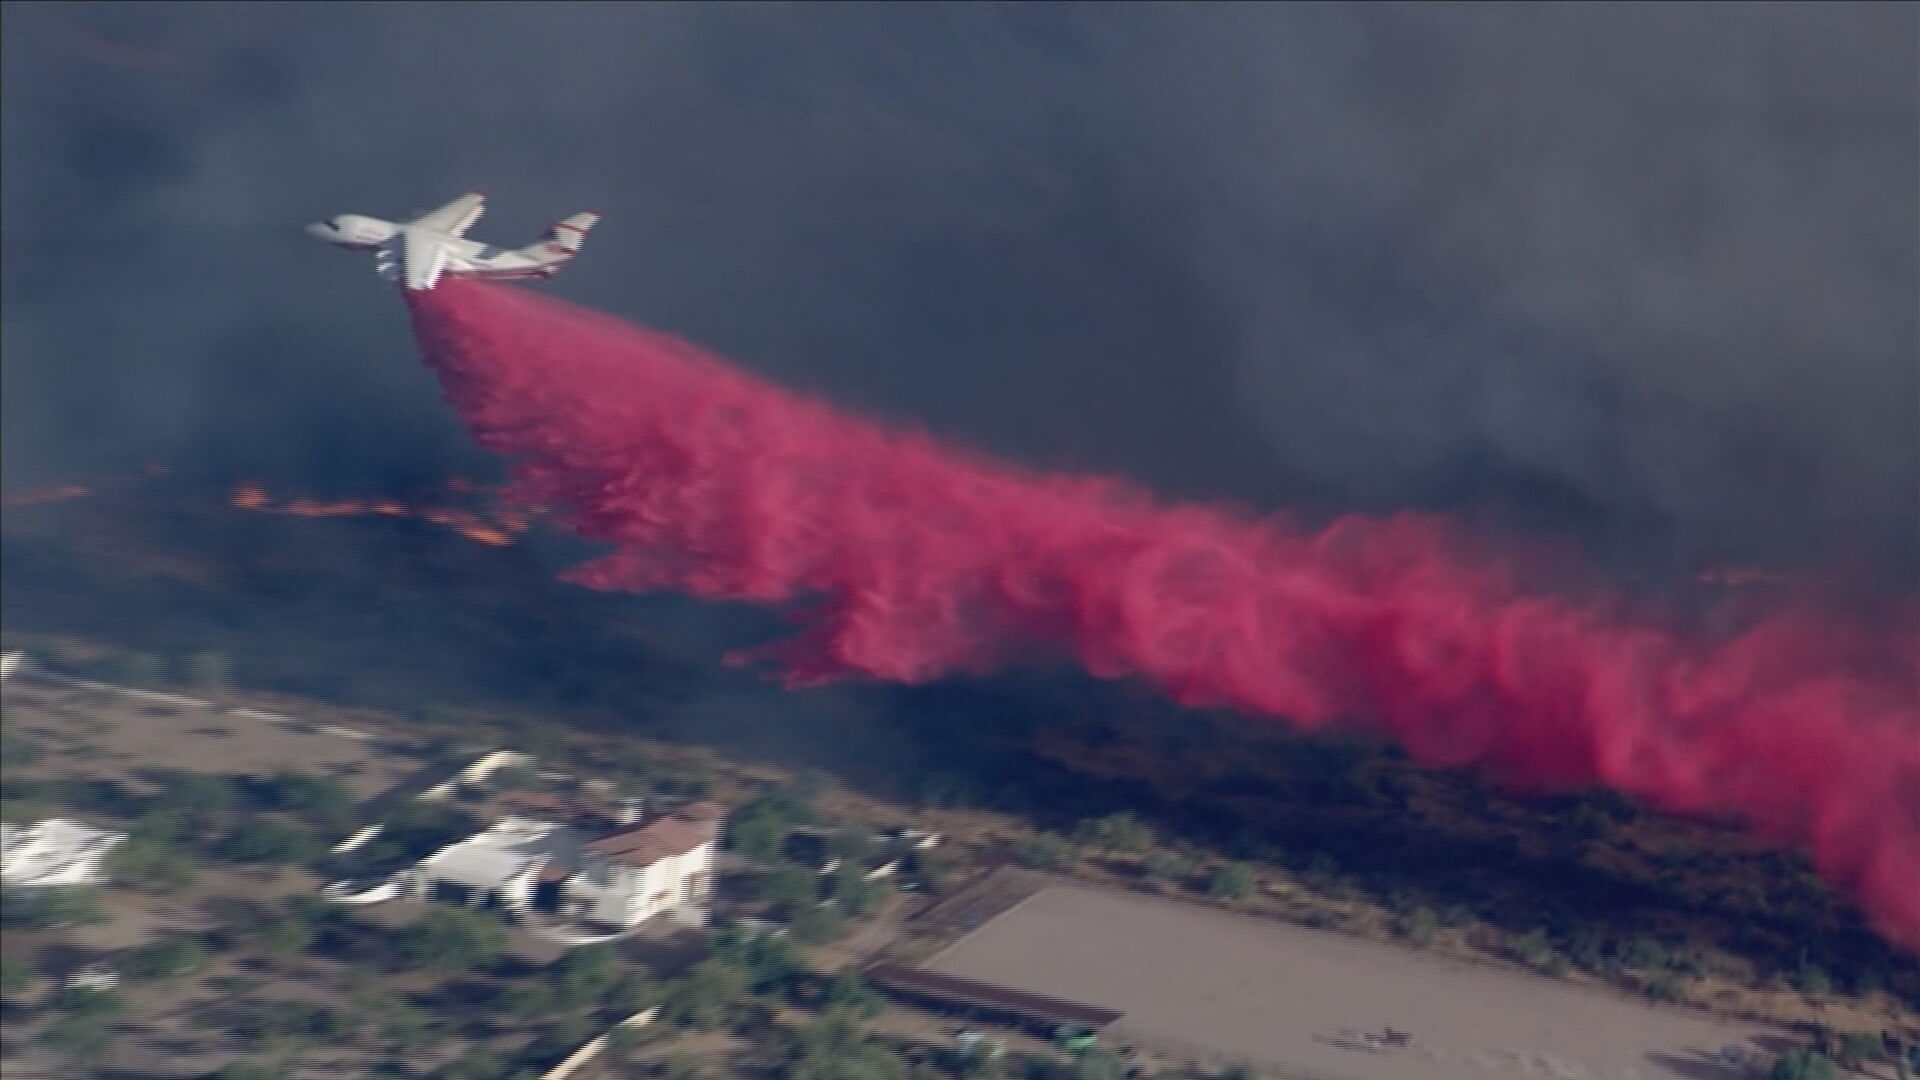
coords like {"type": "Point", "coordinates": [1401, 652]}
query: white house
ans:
{"type": "Point", "coordinates": [55, 852]}
{"type": "Point", "coordinates": [619, 880]}
{"type": "Point", "coordinates": [629, 877]}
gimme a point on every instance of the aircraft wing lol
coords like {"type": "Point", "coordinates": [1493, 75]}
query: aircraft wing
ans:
{"type": "Point", "coordinates": [456, 217]}
{"type": "Point", "coordinates": [421, 260]}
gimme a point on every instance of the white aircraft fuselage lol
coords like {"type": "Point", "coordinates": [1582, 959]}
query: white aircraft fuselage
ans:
{"type": "Point", "coordinates": [418, 253]}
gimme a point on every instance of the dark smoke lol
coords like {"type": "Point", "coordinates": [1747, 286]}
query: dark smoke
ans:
{"type": "Point", "coordinates": [1642, 274]}
{"type": "Point", "coordinates": [906, 560]}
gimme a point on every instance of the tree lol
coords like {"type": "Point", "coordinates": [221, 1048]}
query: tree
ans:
{"type": "Point", "coordinates": [15, 974]}
{"type": "Point", "coordinates": [419, 827]}
{"type": "Point", "coordinates": [288, 937]}
{"type": "Point", "coordinates": [531, 1001]}
{"type": "Point", "coordinates": [1099, 1064]}
{"type": "Point", "coordinates": [768, 962]}
{"type": "Point", "coordinates": [566, 1033]}
{"type": "Point", "coordinates": [852, 843]}
{"type": "Point", "coordinates": [1804, 1065]}
{"type": "Point", "coordinates": [263, 840]}
{"type": "Point", "coordinates": [398, 1022]}
{"type": "Point", "coordinates": [630, 993]}
{"type": "Point", "coordinates": [170, 958]}
{"type": "Point", "coordinates": [1122, 832]}
{"type": "Point", "coordinates": [790, 886]}
{"type": "Point", "coordinates": [1665, 986]}
{"type": "Point", "coordinates": [149, 863]}
{"type": "Point", "coordinates": [307, 794]}
{"type": "Point", "coordinates": [51, 908]}
{"type": "Point", "coordinates": [1043, 851]}
{"type": "Point", "coordinates": [850, 993]}
{"type": "Point", "coordinates": [816, 924]}
{"type": "Point", "coordinates": [679, 1065]}
{"type": "Point", "coordinates": [1420, 925]}
{"type": "Point", "coordinates": [454, 941]}
{"type": "Point", "coordinates": [80, 1001]}
{"type": "Point", "coordinates": [584, 974]}
{"type": "Point", "coordinates": [210, 671]}
{"type": "Point", "coordinates": [197, 796]}
{"type": "Point", "coordinates": [851, 889]}
{"type": "Point", "coordinates": [756, 834]}
{"type": "Point", "coordinates": [705, 997]}
{"type": "Point", "coordinates": [1811, 979]}
{"type": "Point", "coordinates": [1643, 953]}
{"type": "Point", "coordinates": [1165, 867]}
{"type": "Point", "coordinates": [1231, 881]}
{"type": "Point", "coordinates": [933, 866]}
{"type": "Point", "coordinates": [79, 1037]}
{"type": "Point", "coordinates": [837, 1048]}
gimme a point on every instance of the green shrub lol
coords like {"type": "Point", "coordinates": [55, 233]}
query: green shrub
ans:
{"type": "Point", "coordinates": [816, 924]}
{"type": "Point", "coordinates": [1043, 851]}
{"type": "Point", "coordinates": [1420, 925]}
{"type": "Point", "coordinates": [1804, 1065]}
{"type": "Point", "coordinates": [171, 958]}
{"type": "Point", "coordinates": [1231, 882]}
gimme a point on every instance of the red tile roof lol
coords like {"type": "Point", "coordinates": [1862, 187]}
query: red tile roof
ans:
{"type": "Point", "coordinates": [665, 837]}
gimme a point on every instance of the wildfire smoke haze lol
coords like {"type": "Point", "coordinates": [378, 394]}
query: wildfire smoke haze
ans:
{"type": "Point", "coordinates": [906, 560]}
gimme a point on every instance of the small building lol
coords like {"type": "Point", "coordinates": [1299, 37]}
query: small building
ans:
{"type": "Point", "coordinates": [619, 880]}
{"type": "Point", "coordinates": [54, 853]}
{"type": "Point", "coordinates": [13, 663]}
{"type": "Point", "coordinates": [496, 868]}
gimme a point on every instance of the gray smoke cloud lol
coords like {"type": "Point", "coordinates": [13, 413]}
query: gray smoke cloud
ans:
{"type": "Point", "coordinates": [1645, 275]}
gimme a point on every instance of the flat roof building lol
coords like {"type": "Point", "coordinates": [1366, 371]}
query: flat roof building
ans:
{"type": "Point", "coordinates": [973, 996]}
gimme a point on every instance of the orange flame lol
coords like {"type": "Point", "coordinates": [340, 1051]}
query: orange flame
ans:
{"type": "Point", "coordinates": [47, 495]}
{"type": "Point", "coordinates": [465, 523]}
{"type": "Point", "coordinates": [495, 530]}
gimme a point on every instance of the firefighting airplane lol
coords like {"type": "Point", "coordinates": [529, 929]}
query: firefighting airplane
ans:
{"type": "Point", "coordinates": [418, 252]}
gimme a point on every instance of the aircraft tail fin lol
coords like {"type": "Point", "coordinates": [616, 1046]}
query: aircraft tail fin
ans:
{"type": "Point", "coordinates": [564, 237]}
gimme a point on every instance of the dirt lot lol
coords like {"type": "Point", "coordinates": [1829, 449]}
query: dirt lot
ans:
{"type": "Point", "coordinates": [109, 735]}
{"type": "Point", "coordinates": [170, 1029]}
{"type": "Point", "coordinates": [1199, 980]}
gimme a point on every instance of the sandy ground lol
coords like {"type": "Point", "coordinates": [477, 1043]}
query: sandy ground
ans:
{"type": "Point", "coordinates": [127, 734]}
{"type": "Point", "coordinates": [1195, 979]}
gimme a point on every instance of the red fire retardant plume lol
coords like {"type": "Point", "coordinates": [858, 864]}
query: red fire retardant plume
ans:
{"type": "Point", "coordinates": [906, 560]}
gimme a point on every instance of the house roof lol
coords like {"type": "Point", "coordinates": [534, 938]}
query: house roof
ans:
{"type": "Point", "coordinates": [539, 800]}
{"type": "Point", "coordinates": [53, 847]}
{"type": "Point", "coordinates": [665, 837]}
{"type": "Point", "coordinates": [490, 859]}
